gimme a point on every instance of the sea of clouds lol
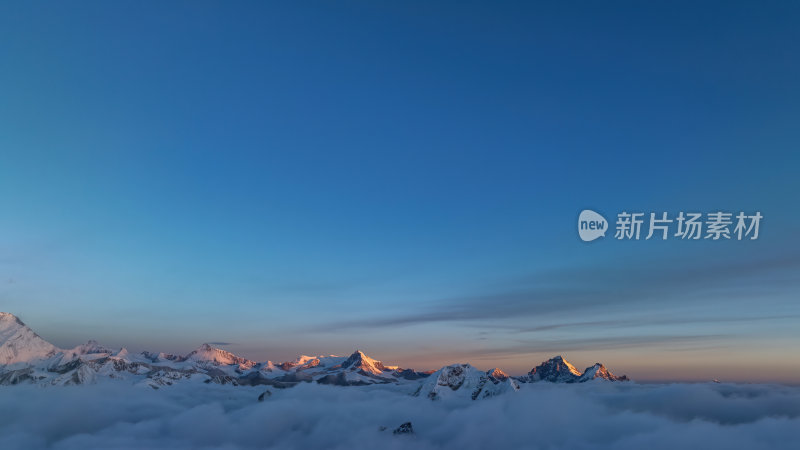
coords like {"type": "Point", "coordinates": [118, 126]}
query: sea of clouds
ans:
{"type": "Point", "coordinates": [541, 416]}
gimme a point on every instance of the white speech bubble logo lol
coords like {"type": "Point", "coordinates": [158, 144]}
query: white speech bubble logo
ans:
{"type": "Point", "coordinates": [591, 225]}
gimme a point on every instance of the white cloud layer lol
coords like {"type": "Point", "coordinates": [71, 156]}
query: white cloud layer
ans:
{"type": "Point", "coordinates": [544, 416]}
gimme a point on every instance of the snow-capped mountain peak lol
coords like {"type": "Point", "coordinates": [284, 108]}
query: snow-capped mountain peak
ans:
{"type": "Point", "coordinates": [360, 361]}
{"type": "Point", "coordinates": [216, 356]}
{"type": "Point", "coordinates": [19, 344]}
{"type": "Point", "coordinates": [559, 370]}
{"type": "Point", "coordinates": [302, 362]}
{"type": "Point", "coordinates": [89, 350]}
{"type": "Point", "coordinates": [466, 382]}
{"type": "Point", "coordinates": [91, 347]}
{"type": "Point", "coordinates": [599, 371]}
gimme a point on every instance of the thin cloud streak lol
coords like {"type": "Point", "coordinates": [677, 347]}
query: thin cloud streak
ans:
{"type": "Point", "coordinates": [580, 291]}
{"type": "Point", "coordinates": [643, 322]}
{"type": "Point", "coordinates": [558, 346]}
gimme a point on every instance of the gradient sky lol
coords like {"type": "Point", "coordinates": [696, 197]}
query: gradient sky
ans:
{"type": "Point", "coordinates": [403, 178]}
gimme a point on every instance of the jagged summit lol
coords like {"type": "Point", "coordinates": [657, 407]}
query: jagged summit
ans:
{"type": "Point", "coordinates": [91, 346]}
{"type": "Point", "coordinates": [599, 371]}
{"type": "Point", "coordinates": [555, 369]}
{"type": "Point", "coordinates": [497, 374]}
{"type": "Point", "coordinates": [89, 350]}
{"type": "Point", "coordinates": [302, 362]}
{"type": "Point", "coordinates": [559, 370]}
{"type": "Point", "coordinates": [465, 382]}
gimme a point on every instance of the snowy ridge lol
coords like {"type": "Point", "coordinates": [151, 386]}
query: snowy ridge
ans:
{"type": "Point", "coordinates": [208, 354]}
{"type": "Point", "coordinates": [27, 358]}
{"type": "Point", "coordinates": [464, 381]}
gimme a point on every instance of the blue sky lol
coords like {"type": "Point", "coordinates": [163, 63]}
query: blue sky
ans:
{"type": "Point", "coordinates": [403, 178]}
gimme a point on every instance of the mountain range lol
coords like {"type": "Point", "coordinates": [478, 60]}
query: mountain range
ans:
{"type": "Point", "coordinates": [27, 358]}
